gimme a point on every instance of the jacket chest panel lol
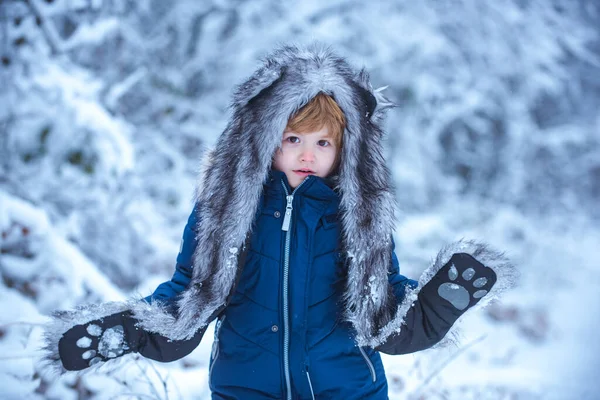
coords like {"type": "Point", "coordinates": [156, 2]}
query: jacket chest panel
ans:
{"type": "Point", "coordinates": [327, 272]}
{"type": "Point", "coordinates": [316, 265]}
{"type": "Point", "coordinates": [267, 236]}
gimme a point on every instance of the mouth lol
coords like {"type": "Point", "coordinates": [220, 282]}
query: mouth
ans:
{"type": "Point", "coordinates": [304, 171]}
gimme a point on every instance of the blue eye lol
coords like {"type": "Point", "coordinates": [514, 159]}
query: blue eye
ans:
{"type": "Point", "coordinates": [324, 143]}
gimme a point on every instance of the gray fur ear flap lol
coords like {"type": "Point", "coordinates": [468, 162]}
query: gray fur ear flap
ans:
{"type": "Point", "coordinates": [261, 80]}
{"type": "Point", "coordinates": [206, 162]}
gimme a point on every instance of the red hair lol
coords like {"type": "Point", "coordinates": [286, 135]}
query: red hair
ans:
{"type": "Point", "coordinates": [321, 111]}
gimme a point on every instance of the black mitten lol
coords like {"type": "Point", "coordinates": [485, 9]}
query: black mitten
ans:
{"type": "Point", "coordinates": [115, 335]}
{"type": "Point", "coordinates": [460, 284]}
{"type": "Point", "coordinates": [99, 340]}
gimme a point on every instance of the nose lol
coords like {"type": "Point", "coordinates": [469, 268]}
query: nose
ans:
{"type": "Point", "coordinates": [307, 155]}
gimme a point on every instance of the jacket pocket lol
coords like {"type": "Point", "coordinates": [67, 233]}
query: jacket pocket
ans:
{"type": "Point", "coordinates": [327, 236]}
{"type": "Point", "coordinates": [214, 354]}
{"type": "Point", "coordinates": [268, 222]}
{"type": "Point", "coordinates": [326, 277]}
{"type": "Point", "coordinates": [369, 364]}
{"type": "Point", "coordinates": [316, 336]}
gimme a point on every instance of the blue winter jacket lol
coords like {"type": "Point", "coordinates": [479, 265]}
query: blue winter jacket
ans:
{"type": "Point", "coordinates": [282, 334]}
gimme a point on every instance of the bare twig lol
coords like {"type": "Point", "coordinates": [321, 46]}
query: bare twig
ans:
{"type": "Point", "coordinates": [177, 390]}
{"type": "Point", "coordinates": [4, 22]}
{"type": "Point", "coordinates": [25, 323]}
{"type": "Point", "coordinates": [147, 379]}
{"type": "Point", "coordinates": [5, 126]}
{"type": "Point", "coordinates": [448, 361]}
{"type": "Point", "coordinates": [19, 356]}
{"type": "Point", "coordinates": [117, 90]}
{"type": "Point", "coordinates": [138, 395]}
{"type": "Point", "coordinates": [50, 33]}
{"type": "Point", "coordinates": [162, 379]}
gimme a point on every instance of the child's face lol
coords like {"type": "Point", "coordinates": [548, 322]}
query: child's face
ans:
{"type": "Point", "coordinates": [304, 154]}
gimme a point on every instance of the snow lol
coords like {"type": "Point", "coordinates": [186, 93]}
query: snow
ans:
{"type": "Point", "coordinates": [96, 360]}
{"type": "Point", "coordinates": [96, 33]}
{"type": "Point", "coordinates": [111, 342]}
{"type": "Point", "coordinates": [537, 341]}
{"type": "Point", "coordinates": [84, 342]}
{"type": "Point", "coordinates": [107, 108]}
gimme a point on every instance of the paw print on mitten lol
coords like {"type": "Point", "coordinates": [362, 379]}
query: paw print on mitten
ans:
{"type": "Point", "coordinates": [96, 341]}
{"type": "Point", "coordinates": [467, 281]}
{"type": "Point", "coordinates": [102, 345]}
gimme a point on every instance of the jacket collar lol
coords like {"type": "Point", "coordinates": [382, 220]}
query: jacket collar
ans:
{"type": "Point", "coordinates": [313, 186]}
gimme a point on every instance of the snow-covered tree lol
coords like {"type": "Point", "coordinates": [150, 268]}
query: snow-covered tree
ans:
{"type": "Point", "coordinates": [106, 107]}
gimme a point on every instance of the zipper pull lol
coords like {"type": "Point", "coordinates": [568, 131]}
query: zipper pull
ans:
{"type": "Point", "coordinates": [288, 213]}
{"type": "Point", "coordinates": [216, 338]}
{"type": "Point", "coordinates": [217, 328]}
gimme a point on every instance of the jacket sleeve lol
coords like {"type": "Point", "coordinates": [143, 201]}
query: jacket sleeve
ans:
{"type": "Point", "coordinates": [399, 282]}
{"type": "Point", "coordinates": [167, 292]}
{"type": "Point", "coordinates": [158, 347]}
{"type": "Point", "coordinates": [418, 332]}
{"type": "Point", "coordinates": [421, 329]}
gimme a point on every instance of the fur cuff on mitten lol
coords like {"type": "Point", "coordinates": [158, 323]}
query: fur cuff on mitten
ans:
{"type": "Point", "coordinates": [69, 321]}
{"type": "Point", "coordinates": [464, 275]}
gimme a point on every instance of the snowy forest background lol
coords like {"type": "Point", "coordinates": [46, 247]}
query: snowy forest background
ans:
{"type": "Point", "coordinates": [106, 107]}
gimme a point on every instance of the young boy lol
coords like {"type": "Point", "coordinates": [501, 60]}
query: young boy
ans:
{"type": "Point", "coordinates": [289, 247]}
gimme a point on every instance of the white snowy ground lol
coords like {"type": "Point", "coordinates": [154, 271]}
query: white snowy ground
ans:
{"type": "Point", "coordinates": [539, 342]}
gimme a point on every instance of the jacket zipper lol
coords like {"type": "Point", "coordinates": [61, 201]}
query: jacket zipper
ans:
{"type": "Point", "coordinates": [287, 221]}
{"type": "Point", "coordinates": [312, 393]}
{"type": "Point", "coordinates": [215, 349]}
{"type": "Point", "coordinates": [369, 364]}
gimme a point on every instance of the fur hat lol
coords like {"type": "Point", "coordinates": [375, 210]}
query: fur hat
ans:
{"type": "Point", "coordinates": [232, 183]}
